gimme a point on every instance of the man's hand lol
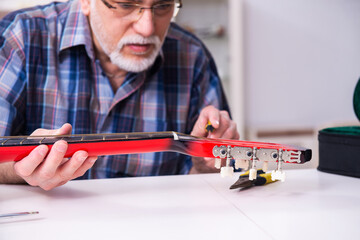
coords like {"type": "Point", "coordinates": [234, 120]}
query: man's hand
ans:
{"type": "Point", "coordinates": [49, 169]}
{"type": "Point", "coordinates": [224, 127]}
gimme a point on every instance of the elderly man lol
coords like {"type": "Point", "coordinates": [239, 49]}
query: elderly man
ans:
{"type": "Point", "coordinates": [102, 66]}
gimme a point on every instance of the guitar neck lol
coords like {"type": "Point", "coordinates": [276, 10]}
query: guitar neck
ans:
{"type": "Point", "coordinates": [14, 148]}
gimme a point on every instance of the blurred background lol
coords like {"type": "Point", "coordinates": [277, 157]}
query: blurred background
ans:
{"type": "Point", "coordinates": [289, 67]}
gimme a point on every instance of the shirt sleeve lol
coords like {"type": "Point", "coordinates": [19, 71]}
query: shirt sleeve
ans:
{"type": "Point", "coordinates": [207, 88]}
{"type": "Point", "coordinates": [12, 75]}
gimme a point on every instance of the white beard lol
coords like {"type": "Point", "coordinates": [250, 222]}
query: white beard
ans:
{"type": "Point", "coordinates": [129, 64]}
{"type": "Point", "coordinates": [135, 65]}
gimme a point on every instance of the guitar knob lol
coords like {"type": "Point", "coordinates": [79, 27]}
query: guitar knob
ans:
{"type": "Point", "coordinates": [227, 171]}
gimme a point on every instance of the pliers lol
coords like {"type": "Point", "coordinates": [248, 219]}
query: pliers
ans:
{"type": "Point", "coordinates": [262, 178]}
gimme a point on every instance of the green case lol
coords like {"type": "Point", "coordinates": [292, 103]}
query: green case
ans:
{"type": "Point", "coordinates": [339, 150]}
{"type": "Point", "coordinates": [339, 147]}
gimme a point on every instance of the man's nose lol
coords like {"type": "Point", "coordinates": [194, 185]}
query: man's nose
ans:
{"type": "Point", "coordinates": [145, 25]}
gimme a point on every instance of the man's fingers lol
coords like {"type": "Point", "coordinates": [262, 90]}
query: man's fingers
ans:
{"type": "Point", "coordinates": [209, 113]}
{"type": "Point", "coordinates": [89, 162]}
{"type": "Point", "coordinates": [75, 167]}
{"type": "Point", "coordinates": [53, 160]}
{"type": "Point", "coordinates": [212, 114]}
{"type": "Point", "coordinates": [27, 166]}
{"type": "Point", "coordinates": [48, 169]}
{"type": "Point", "coordinates": [224, 126]}
{"type": "Point", "coordinates": [231, 132]}
{"type": "Point", "coordinates": [67, 170]}
{"type": "Point", "coordinates": [65, 129]}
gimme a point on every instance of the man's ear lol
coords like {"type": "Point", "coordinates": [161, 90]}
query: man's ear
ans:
{"type": "Point", "coordinates": [85, 7]}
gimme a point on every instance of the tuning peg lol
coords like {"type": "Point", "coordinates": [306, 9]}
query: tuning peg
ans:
{"type": "Point", "coordinates": [217, 163]}
{"type": "Point", "coordinates": [252, 174]}
{"type": "Point", "coordinates": [227, 171]}
{"type": "Point", "coordinates": [278, 175]}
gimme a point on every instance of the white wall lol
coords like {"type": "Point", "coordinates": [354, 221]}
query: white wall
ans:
{"type": "Point", "coordinates": [302, 61]}
{"type": "Point", "coordinates": [203, 15]}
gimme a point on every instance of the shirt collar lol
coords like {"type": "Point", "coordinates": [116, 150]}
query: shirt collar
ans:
{"type": "Point", "coordinates": [76, 30]}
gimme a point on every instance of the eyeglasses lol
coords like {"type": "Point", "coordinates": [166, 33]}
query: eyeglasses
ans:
{"type": "Point", "coordinates": [130, 10]}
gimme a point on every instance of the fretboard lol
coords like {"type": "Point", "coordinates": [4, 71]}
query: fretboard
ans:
{"type": "Point", "coordinates": [84, 138]}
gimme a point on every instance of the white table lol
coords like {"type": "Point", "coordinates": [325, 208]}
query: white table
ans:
{"type": "Point", "coordinates": [308, 205]}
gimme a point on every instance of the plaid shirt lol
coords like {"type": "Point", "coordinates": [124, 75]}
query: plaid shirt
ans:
{"type": "Point", "coordinates": [49, 76]}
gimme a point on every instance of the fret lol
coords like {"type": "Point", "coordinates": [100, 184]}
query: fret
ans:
{"type": "Point", "coordinates": [114, 137]}
{"type": "Point", "coordinates": [93, 138]}
{"type": "Point", "coordinates": [13, 142]}
{"type": "Point", "coordinates": [69, 139]}
{"type": "Point", "coordinates": [3, 140]}
{"type": "Point", "coordinates": [32, 141]}
{"type": "Point", "coordinates": [48, 140]}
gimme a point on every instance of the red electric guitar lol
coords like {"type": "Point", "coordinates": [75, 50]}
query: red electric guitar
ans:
{"type": "Point", "coordinates": [246, 154]}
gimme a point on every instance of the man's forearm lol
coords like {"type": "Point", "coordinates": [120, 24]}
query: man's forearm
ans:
{"type": "Point", "coordinates": [8, 175]}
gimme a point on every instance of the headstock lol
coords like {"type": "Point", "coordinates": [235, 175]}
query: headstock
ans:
{"type": "Point", "coordinates": [248, 158]}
